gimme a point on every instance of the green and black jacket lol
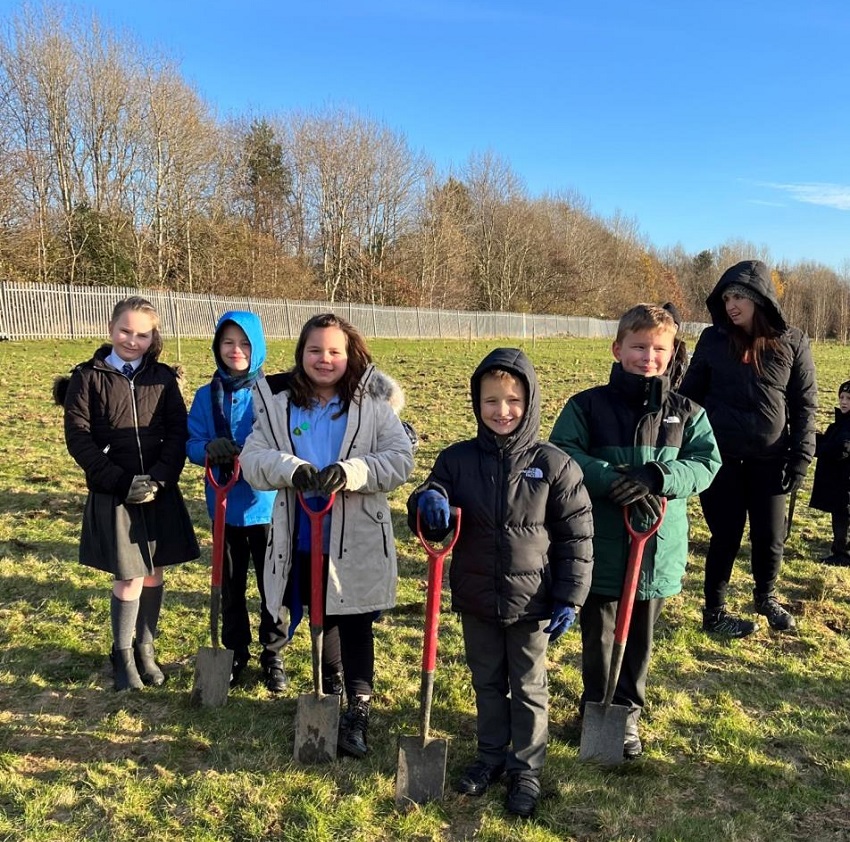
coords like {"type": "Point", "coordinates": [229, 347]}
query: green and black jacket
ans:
{"type": "Point", "coordinates": [631, 421]}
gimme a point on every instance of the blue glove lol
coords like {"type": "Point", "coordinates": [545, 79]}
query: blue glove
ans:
{"type": "Point", "coordinates": [563, 616]}
{"type": "Point", "coordinates": [434, 510]}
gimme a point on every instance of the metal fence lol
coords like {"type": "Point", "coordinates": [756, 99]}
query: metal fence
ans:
{"type": "Point", "coordinates": [63, 311]}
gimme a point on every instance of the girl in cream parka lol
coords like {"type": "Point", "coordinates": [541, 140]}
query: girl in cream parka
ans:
{"type": "Point", "coordinates": [330, 425]}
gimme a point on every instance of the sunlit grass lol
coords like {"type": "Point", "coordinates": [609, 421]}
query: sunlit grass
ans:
{"type": "Point", "coordinates": [745, 740]}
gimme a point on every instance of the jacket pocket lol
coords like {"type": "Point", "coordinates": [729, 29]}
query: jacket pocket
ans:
{"type": "Point", "coordinates": [377, 510]}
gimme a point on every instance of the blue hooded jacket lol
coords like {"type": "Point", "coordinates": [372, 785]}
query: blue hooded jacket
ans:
{"type": "Point", "coordinates": [245, 506]}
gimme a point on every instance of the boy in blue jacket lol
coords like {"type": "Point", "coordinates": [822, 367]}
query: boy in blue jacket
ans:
{"type": "Point", "coordinates": [220, 420]}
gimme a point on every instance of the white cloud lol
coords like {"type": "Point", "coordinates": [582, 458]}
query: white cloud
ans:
{"type": "Point", "coordinates": [817, 193]}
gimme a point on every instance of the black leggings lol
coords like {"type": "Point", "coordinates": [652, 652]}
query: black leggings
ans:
{"type": "Point", "coordinates": [349, 641]}
{"type": "Point", "coordinates": [744, 487]}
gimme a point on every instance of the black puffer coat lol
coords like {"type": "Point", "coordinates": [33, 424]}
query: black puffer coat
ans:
{"type": "Point", "coordinates": [526, 526]}
{"type": "Point", "coordinates": [831, 489]}
{"type": "Point", "coordinates": [766, 416]}
{"type": "Point", "coordinates": [116, 428]}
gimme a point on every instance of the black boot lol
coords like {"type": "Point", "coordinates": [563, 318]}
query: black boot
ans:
{"type": "Point", "coordinates": [332, 683]}
{"type": "Point", "coordinates": [146, 664]}
{"type": "Point", "coordinates": [124, 673]}
{"type": "Point", "coordinates": [353, 725]}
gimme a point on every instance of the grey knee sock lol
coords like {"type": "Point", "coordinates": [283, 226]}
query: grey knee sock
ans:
{"type": "Point", "coordinates": [123, 613]}
{"type": "Point", "coordinates": [150, 603]}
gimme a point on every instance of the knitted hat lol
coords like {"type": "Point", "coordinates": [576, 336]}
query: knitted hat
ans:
{"type": "Point", "coordinates": [844, 387]}
{"type": "Point", "coordinates": [744, 292]}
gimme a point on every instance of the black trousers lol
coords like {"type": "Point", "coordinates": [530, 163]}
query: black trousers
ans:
{"type": "Point", "coordinates": [840, 530]}
{"type": "Point", "coordinates": [598, 619]}
{"type": "Point", "coordinates": [348, 646]}
{"type": "Point", "coordinates": [744, 488]}
{"type": "Point", "coordinates": [245, 546]}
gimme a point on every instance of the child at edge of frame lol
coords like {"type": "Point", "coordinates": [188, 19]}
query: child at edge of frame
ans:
{"type": "Point", "coordinates": [831, 487]}
{"type": "Point", "coordinates": [220, 419]}
{"type": "Point", "coordinates": [636, 441]}
{"type": "Point", "coordinates": [330, 425]}
{"type": "Point", "coordinates": [520, 569]}
{"type": "Point", "coordinates": [125, 426]}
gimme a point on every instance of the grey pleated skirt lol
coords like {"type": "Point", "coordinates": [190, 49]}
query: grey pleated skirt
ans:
{"type": "Point", "coordinates": [130, 540]}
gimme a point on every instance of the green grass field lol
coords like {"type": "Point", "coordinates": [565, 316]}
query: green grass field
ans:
{"type": "Point", "coordinates": [745, 740]}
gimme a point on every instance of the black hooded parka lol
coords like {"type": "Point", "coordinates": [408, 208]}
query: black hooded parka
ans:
{"type": "Point", "coordinates": [526, 526]}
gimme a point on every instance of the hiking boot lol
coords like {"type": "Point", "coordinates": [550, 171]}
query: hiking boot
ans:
{"type": "Point", "coordinates": [125, 676]}
{"type": "Point", "coordinates": [477, 778]}
{"type": "Point", "coordinates": [720, 621]}
{"type": "Point", "coordinates": [274, 675]}
{"type": "Point", "coordinates": [523, 793]}
{"type": "Point", "coordinates": [353, 725]}
{"type": "Point", "coordinates": [240, 661]}
{"type": "Point", "coordinates": [837, 560]}
{"type": "Point", "coordinates": [146, 665]}
{"type": "Point", "coordinates": [777, 617]}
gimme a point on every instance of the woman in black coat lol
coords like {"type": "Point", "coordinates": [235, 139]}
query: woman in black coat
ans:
{"type": "Point", "coordinates": [755, 377]}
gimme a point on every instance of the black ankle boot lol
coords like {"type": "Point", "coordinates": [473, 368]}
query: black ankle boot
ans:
{"type": "Point", "coordinates": [146, 664]}
{"type": "Point", "coordinates": [125, 676]}
{"type": "Point", "coordinates": [332, 684]}
{"type": "Point", "coordinates": [353, 725]}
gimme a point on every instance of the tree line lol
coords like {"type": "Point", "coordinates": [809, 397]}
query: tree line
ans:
{"type": "Point", "coordinates": [115, 171]}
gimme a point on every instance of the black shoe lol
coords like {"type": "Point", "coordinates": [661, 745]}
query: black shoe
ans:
{"type": "Point", "coordinates": [777, 617]}
{"type": "Point", "coordinates": [146, 665]}
{"type": "Point", "coordinates": [720, 621]}
{"type": "Point", "coordinates": [836, 560]}
{"type": "Point", "coordinates": [353, 726]}
{"type": "Point", "coordinates": [125, 676]}
{"type": "Point", "coordinates": [632, 748]}
{"type": "Point", "coordinates": [240, 661]}
{"type": "Point", "coordinates": [477, 778]}
{"type": "Point", "coordinates": [523, 793]}
{"type": "Point", "coordinates": [274, 674]}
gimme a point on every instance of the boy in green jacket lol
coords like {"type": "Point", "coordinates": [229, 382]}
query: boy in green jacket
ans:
{"type": "Point", "coordinates": [636, 442]}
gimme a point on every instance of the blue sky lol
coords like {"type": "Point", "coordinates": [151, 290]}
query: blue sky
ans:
{"type": "Point", "coordinates": [703, 121]}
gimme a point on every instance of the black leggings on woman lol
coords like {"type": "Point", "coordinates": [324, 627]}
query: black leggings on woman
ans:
{"type": "Point", "coordinates": [744, 487]}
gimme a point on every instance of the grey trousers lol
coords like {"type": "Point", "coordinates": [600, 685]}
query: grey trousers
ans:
{"type": "Point", "coordinates": [508, 665]}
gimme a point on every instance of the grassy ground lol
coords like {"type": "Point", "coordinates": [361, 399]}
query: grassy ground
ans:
{"type": "Point", "coordinates": [745, 740]}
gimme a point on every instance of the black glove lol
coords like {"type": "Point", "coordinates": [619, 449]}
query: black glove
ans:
{"type": "Point", "coordinates": [635, 484]}
{"type": "Point", "coordinates": [648, 508]}
{"type": "Point", "coordinates": [793, 475]}
{"type": "Point", "coordinates": [222, 451]}
{"type": "Point", "coordinates": [305, 478]}
{"type": "Point", "coordinates": [331, 479]}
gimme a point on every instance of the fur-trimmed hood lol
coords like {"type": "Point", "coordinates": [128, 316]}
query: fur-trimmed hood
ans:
{"type": "Point", "coordinates": [374, 382]}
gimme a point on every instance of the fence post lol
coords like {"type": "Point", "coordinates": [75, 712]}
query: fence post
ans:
{"type": "Point", "coordinates": [175, 317]}
{"type": "Point", "coordinates": [374, 320]}
{"type": "Point", "coordinates": [70, 308]}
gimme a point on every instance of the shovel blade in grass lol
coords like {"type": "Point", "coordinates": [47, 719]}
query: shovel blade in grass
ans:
{"type": "Point", "coordinates": [421, 772]}
{"type": "Point", "coordinates": [603, 733]}
{"type": "Point", "coordinates": [213, 667]}
{"type": "Point", "coordinates": [316, 729]}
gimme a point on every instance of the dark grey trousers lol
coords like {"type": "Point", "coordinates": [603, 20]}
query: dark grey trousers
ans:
{"type": "Point", "coordinates": [508, 665]}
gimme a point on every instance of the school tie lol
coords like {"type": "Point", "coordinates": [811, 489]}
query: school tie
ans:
{"type": "Point", "coordinates": [127, 371]}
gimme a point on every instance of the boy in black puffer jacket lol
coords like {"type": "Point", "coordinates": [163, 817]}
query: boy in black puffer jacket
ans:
{"type": "Point", "coordinates": [831, 489]}
{"type": "Point", "coordinates": [520, 569]}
